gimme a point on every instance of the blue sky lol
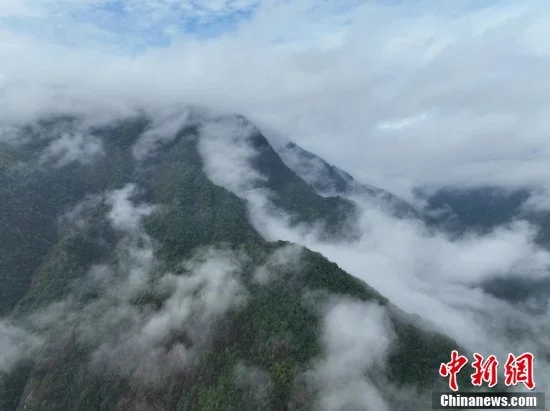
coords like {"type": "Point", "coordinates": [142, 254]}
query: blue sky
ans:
{"type": "Point", "coordinates": [139, 24]}
{"type": "Point", "coordinates": [132, 23]}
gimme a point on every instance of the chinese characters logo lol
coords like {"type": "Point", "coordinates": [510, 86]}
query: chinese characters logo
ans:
{"type": "Point", "coordinates": [517, 369]}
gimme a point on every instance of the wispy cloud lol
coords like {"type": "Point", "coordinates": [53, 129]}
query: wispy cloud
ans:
{"type": "Point", "coordinates": [16, 344]}
{"type": "Point", "coordinates": [356, 340]}
{"type": "Point", "coordinates": [131, 24]}
{"type": "Point", "coordinates": [132, 338]}
{"type": "Point", "coordinates": [423, 273]}
{"type": "Point", "coordinates": [72, 147]}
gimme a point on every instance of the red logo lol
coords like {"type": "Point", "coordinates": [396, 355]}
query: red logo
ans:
{"type": "Point", "coordinates": [485, 370]}
{"type": "Point", "coordinates": [452, 368]}
{"type": "Point", "coordinates": [518, 369]}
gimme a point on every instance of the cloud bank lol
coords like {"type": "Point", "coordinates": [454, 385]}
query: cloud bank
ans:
{"type": "Point", "coordinates": [398, 95]}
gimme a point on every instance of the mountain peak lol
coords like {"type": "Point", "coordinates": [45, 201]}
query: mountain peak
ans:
{"type": "Point", "coordinates": [144, 276]}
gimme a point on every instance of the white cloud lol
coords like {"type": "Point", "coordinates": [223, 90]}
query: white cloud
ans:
{"type": "Point", "coordinates": [135, 340]}
{"type": "Point", "coordinates": [15, 344]}
{"type": "Point", "coordinates": [256, 384]}
{"type": "Point", "coordinates": [69, 148]}
{"type": "Point", "coordinates": [287, 258]}
{"type": "Point", "coordinates": [16, 8]}
{"type": "Point", "coordinates": [10, 135]}
{"type": "Point", "coordinates": [356, 337]}
{"type": "Point", "coordinates": [75, 216]}
{"type": "Point", "coordinates": [224, 146]}
{"type": "Point", "coordinates": [124, 215]}
{"type": "Point", "coordinates": [474, 81]}
{"type": "Point", "coordinates": [423, 273]}
{"type": "Point", "coordinates": [163, 130]}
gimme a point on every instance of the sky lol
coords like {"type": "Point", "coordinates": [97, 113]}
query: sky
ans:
{"type": "Point", "coordinates": [398, 93]}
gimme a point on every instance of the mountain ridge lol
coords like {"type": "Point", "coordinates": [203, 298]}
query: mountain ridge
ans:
{"type": "Point", "coordinates": [180, 284]}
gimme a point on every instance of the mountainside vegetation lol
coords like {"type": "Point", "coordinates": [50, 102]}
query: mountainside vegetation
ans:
{"type": "Point", "coordinates": [147, 286]}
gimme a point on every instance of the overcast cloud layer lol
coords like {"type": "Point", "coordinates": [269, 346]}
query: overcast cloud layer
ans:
{"type": "Point", "coordinates": [399, 94]}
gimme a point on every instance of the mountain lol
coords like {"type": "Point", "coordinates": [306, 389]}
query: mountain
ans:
{"type": "Point", "coordinates": [479, 210]}
{"type": "Point", "coordinates": [329, 180]}
{"type": "Point", "coordinates": [131, 278]}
